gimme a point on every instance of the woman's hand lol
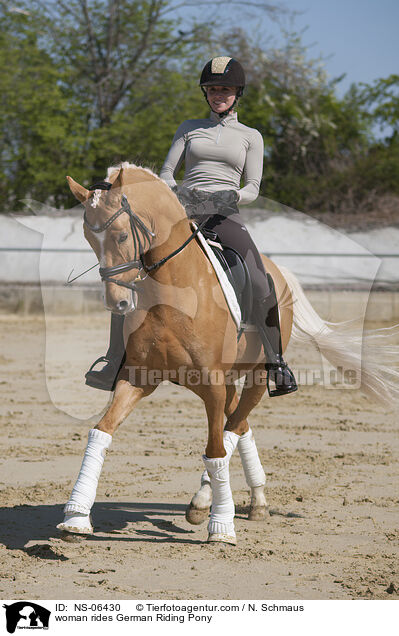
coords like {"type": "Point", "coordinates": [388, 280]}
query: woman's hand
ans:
{"type": "Point", "coordinates": [225, 201]}
{"type": "Point", "coordinates": [228, 197]}
{"type": "Point", "coordinates": [199, 203]}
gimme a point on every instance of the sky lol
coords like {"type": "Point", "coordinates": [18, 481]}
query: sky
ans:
{"type": "Point", "coordinates": [358, 37]}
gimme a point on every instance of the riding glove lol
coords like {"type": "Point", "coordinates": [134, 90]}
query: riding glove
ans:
{"type": "Point", "coordinates": [199, 203]}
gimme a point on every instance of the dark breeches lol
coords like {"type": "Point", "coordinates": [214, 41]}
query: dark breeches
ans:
{"type": "Point", "coordinates": [233, 233]}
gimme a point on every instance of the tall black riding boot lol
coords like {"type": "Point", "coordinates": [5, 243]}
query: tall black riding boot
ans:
{"type": "Point", "coordinates": [105, 379]}
{"type": "Point", "coordinates": [267, 320]}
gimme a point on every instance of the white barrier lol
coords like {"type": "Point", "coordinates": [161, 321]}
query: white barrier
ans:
{"type": "Point", "coordinates": [42, 249]}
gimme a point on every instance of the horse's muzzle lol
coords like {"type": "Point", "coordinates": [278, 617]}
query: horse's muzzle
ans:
{"type": "Point", "coordinates": [121, 306]}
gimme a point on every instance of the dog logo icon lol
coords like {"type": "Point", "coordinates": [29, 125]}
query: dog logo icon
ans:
{"type": "Point", "coordinates": [26, 615]}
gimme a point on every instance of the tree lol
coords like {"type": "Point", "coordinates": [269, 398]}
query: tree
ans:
{"type": "Point", "coordinates": [113, 47]}
{"type": "Point", "coordinates": [115, 77]}
{"type": "Point", "coordinates": [39, 126]}
{"type": "Point", "coordinates": [382, 99]}
{"type": "Point", "coordinates": [309, 132]}
{"type": "Point", "coordinates": [378, 169]}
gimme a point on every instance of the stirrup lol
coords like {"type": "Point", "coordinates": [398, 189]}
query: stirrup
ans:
{"type": "Point", "coordinates": [104, 380]}
{"type": "Point", "coordinates": [280, 367]}
{"type": "Point", "coordinates": [100, 359]}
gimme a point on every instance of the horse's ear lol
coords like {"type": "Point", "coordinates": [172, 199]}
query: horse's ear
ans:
{"type": "Point", "coordinates": [79, 192]}
{"type": "Point", "coordinates": [120, 180]}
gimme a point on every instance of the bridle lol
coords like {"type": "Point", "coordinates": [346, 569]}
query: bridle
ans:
{"type": "Point", "coordinates": [139, 230]}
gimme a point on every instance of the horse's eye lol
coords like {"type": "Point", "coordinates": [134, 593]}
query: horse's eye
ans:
{"type": "Point", "coordinates": [122, 237]}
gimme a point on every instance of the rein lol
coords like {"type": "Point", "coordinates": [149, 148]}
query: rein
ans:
{"type": "Point", "coordinates": [136, 226]}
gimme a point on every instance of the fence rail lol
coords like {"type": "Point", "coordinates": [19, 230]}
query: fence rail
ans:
{"type": "Point", "coordinates": [267, 253]}
{"type": "Point", "coordinates": [318, 254]}
{"type": "Point", "coordinates": [45, 249]}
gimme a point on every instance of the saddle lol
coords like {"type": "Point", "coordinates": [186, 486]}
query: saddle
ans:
{"type": "Point", "coordinates": [236, 271]}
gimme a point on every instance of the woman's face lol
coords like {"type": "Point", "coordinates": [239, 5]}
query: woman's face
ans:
{"type": "Point", "coordinates": [220, 98]}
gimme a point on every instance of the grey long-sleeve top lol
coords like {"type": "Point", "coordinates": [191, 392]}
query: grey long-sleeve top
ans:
{"type": "Point", "coordinates": [217, 152]}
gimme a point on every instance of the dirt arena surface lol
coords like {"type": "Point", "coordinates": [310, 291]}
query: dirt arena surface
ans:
{"type": "Point", "coordinates": [330, 456]}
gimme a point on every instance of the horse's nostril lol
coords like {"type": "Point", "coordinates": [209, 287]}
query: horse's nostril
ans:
{"type": "Point", "coordinates": [122, 304]}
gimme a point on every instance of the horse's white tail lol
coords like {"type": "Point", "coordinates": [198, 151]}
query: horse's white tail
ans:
{"type": "Point", "coordinates": [373, 355]}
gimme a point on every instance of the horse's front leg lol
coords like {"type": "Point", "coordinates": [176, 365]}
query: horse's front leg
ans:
{"type": "Point", "coordinates": [200, 505]}
{"type": "Point", "coordinates": [220, 447]}
{"type": "Point", "coordinates": [198, 510]}
{"type": "Point", "coordinates": [237, 422]}
{"type": "Point", "coordinates": [77, 510]}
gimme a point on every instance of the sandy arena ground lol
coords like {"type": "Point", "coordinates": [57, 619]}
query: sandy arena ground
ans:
{"type": "Point", "coordinates": [331, 459]}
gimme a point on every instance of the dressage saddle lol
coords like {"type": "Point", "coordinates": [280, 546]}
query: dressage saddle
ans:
{"type": "Point", "coordinates": [236, 271]}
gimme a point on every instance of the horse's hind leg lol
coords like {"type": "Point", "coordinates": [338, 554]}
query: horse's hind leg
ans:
{"type": "Point", "coordinates": [237, 414]}
{"type": "Point", "coordinates": [77, 510]}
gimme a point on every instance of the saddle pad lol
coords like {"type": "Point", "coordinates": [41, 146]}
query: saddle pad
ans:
{"type": "Point", "coordinates": [225, 284]}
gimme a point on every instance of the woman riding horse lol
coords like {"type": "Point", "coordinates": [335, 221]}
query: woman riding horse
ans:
{"type": "Point", "coordinates": [217, 151]}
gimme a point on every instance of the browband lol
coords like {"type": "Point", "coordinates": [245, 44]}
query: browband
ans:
{"type": "Point", "coordinates": [101, 185]}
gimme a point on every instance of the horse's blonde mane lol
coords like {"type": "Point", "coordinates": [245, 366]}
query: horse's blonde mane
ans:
{"type": "Point", "coordinates": [114, 170]}
{"type": "Point", "coordinates": [126, 165]}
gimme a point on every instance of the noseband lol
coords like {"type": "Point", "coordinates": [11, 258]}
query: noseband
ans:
{"type": "Point", "coordinates": [141, 239]}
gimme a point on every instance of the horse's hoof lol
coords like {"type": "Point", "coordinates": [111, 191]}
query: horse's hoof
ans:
{"type": "Point", "coordinates": [70, 537]}
{"type": "Point", "coordinates": [76, 523]}
{"type": "Point", "coordinates": [221, 537]}
{"type": "Point", "coordinates": [258, 513]}
{"type": "Point", "coordinates": [65, 527]}
{"type": "Point", "coordinates": [195, 516]}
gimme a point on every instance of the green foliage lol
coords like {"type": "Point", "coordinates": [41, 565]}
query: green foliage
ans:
{"type": "Point", "coordinates": [382, 97]}
{"type": "Point", "coordinates": [37, 120]}
{"type": "Point", "coordinates": [311, 136]}
{"type": "Point", "coordinates": [88, 83]}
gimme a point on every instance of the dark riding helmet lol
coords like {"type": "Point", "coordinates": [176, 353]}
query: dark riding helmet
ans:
{"type": "Point", "coordinates": [223, 71]}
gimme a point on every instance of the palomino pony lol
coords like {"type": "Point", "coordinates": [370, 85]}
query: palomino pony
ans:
{"type": "Point", "coordinates": [177, 323]}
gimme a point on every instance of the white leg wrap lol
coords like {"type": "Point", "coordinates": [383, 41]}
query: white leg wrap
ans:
{"type": "Point", "coordinates": [253, 470]}
{"type": "Point", "coordinates": [84, 491]}
{"type": "Point", "coordinates": [222, 514]}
